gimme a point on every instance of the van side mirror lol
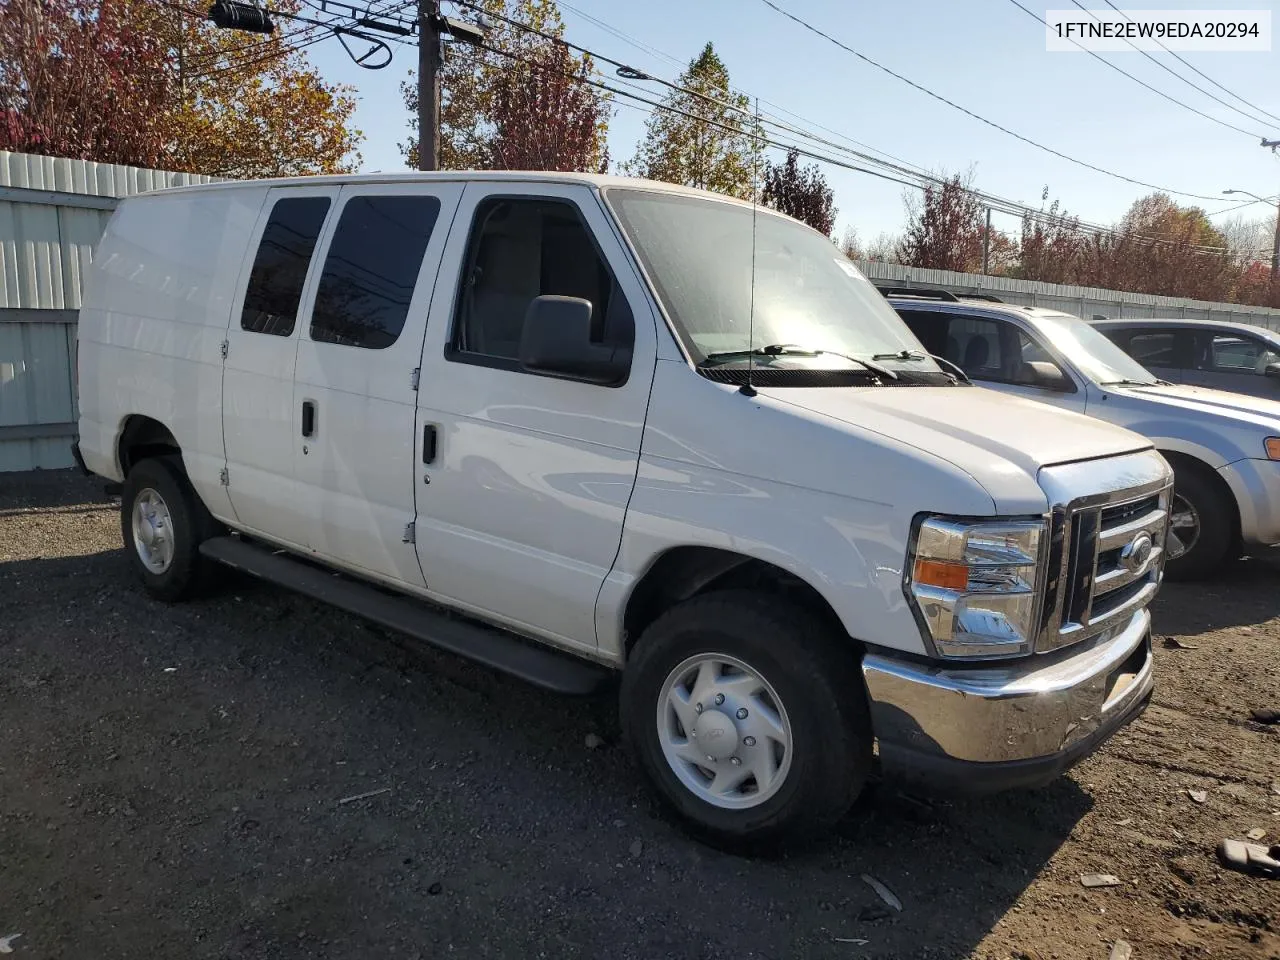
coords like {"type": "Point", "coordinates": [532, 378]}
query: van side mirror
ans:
{"type": "Point", "coordinates": [556, 339]}
{"type": "Point", "coordinates": [1272, 370]}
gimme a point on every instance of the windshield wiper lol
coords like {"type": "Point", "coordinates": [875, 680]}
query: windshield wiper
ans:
{"type": "Point", "coordinates": [791, 349]}
{"type": "Point", "coordinates": [907, 356]}
{"type": "Point", "coordinates": [1126, 382]}
{"type": "Point", "coordinates": [904, 355]}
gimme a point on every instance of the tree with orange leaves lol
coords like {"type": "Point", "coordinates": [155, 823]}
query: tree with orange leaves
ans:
{"type": "Point", "coordinates": [139, 82]}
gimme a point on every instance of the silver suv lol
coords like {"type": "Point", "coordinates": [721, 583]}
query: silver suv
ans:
{"type": "Point", "coordinates": [1224, 447]}
{"type": "Point", "coordinates": [1237, 357]}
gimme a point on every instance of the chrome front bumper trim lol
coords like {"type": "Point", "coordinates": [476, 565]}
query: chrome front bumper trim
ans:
{"type": "Point", "coordinates": [1025, 710]}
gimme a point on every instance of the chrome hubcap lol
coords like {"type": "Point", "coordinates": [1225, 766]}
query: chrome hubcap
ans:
{"type": "Point", "coordinates": [152, 531]}
{"type": "Point", "coordinates": [724, 731]}
{"type": "Point", "coordinates": [1184, 527]}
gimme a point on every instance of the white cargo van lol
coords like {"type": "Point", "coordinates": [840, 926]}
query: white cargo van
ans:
{"type": "Point", "coordinates": [583, 427]}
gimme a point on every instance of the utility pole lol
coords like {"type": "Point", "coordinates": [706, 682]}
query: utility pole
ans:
{"type": "Point", "coordinates": [1275, 247]}
{"type": "Point", "coordinates": [986, 244]}
{"type": "Point", "coordinates": [428, 85]}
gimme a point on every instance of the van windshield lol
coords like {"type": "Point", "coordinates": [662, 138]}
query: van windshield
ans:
{"type": "Point", "coordinates": [807, 295]}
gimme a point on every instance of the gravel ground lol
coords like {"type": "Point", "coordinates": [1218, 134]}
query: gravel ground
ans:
{"type": "Point", "coordinates": [173, 777]}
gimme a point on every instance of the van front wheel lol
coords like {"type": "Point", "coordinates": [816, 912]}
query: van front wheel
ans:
{"type": "Point", "coordinates": [748, 716]}
{"type": "Point", "coordinates": [163, 524]}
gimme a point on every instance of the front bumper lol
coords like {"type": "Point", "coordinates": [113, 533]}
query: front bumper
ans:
{"type": "Point", "coordinates": [1256, 486]}
{"type": "Point", "coordinates": [1023, 724]}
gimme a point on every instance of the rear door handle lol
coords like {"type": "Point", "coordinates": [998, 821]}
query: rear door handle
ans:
{"type": "Point", "coordinates": [429, 443]}
{"type": "Point", "coordinates": [308, 418]}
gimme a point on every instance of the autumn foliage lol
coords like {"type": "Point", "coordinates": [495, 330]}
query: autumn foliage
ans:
{"type": "Point", "coordinates": [139, 82]}
{"type": "Point", "coordinates": [514, 105]}
{"type": "Point", "coordinates": [544, 116]}
{"type": "Point", "coordinates": [802, 193]}
{"type": "Point", "coordinates": [76, 81]}
{"type": "Point", "coordinates": [1158, 248]}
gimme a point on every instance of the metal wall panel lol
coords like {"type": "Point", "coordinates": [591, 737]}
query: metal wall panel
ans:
{"type": "Point", "coordinates": [46, 245]}
{"type": "Point", "coordinates": [1087, 302]}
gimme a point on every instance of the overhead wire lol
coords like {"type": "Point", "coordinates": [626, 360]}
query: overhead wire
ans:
{"type": "Point", "coordinates": [1185, 62]}
{"type": "Point", "coordinates": [1141, 83]}
{"type": "Point", "coordinates": [243, 58]}
{"type": "Point", "coordinates": [1168, 69]}
{"type": "Point", "coordinates": [991, 123]}
{"type": "Point", "coordinates": [1027, 213]}
{"type": "Point", "coordinates": [918, 179]}
{"type": "Point", "coordinates": [675, 61]}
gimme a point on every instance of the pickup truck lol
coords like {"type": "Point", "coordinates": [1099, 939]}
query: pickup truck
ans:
{"type": "Point", "coordinates": [589, 429]}
{"type": "Point", "coordinates": [1224, 447]}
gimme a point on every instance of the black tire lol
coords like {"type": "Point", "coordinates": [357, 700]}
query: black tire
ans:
{"type": "Point", "coordinates": [815, 675]}
{"type": "Point", "coordinates": [188, 573]}
{"type": "Point", "coordinates": [1219, 529]}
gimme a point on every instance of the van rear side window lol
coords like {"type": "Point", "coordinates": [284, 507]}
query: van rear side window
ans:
{"type": "Point", "coordinates": [371, 270]}
{"type": "Point", "coordinates": [280, 268]}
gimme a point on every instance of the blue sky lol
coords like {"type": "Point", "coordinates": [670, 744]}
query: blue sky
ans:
{"type": "Point", "coordinates": [986, 55]}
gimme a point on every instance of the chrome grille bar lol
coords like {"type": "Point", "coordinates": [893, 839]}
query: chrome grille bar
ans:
{"type": "Point", "coordinates": [1097, 575]}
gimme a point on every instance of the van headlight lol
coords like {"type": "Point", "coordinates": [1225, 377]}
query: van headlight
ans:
{"type": "Point", "coordinates": [976, 587]}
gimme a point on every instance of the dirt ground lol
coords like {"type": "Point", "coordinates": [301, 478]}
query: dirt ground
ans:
{"type": "Point", "coordinates": [172, 778]}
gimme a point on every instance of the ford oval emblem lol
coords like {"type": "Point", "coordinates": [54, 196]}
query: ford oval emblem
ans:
{"type": "Point", "coordinates": [1135, 556]}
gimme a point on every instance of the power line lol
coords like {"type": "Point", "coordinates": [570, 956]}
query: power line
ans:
{"type": "Point", "coordinates": [919, 180]}
{"type": "Point", "coordinates": [1191, 66]}
{"type": "Point", "coordinates": [1027, 213]}
{"type": "Point", "coordinates": [1165, 67]}
{"type": "Point", "coordinates": [1241, 206]}
{"type": "Point", "coordinates": [991, 123]}
{"type": "Point", "coordinates": [675, 61]}
{"type": "Point", "coordinates": [242, 57]}
{"type": "Point", "coordinates": [1142, 83]}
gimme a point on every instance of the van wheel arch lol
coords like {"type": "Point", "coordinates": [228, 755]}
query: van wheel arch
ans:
{"type": "Point", "coordinates": [142, 437]}
{"type": "Point", "coordinates": [682, 573]}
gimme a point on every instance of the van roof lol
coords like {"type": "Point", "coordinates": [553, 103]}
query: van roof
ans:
{"type": "Point", "coordinates": [599, 181]}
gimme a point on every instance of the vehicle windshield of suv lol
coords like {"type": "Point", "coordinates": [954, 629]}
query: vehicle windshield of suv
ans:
{"type": "Point", "coordinates": [812, 307]}
{"type": "Point", "coordinates": [1091, 352]}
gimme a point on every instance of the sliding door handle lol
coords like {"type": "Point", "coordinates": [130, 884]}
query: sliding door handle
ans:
{"type": "Point", "coordinates": [429, 443]}
{"type": "Point", "coordinates": [308, 418]}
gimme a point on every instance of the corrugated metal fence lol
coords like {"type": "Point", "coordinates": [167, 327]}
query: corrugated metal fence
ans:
{"type": "Point", "coordinates": [52, 212]}
{"type": "Point", "coordinates": [1092, 303]}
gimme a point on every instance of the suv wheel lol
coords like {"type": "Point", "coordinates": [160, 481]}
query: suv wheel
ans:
{"type": "Point", "coordinates": [1200, 525]}
{"type": "Point", "coordinates": [749, 717]}
{"type": "Point", "coordinates": [163, 524]}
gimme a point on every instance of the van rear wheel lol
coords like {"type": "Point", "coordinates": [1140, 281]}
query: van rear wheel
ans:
{"type": "Point", "coordinates": [163, 524]}
{"type": "Point", "coordinates": [748, 716]}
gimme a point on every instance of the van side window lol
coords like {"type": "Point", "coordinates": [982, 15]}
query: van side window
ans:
{"type": "Point", "coordinates": [371, 270]}
{"type": "Point", "coordinates": [280, 267]}
{"type": "Point", "coordinates": [522, 248]}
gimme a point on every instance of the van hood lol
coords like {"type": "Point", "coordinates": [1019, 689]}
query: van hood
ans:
{"type": "Point", "coordinates": [1207, 402]}
{"type": "Point", "coordinates": [983, 432]}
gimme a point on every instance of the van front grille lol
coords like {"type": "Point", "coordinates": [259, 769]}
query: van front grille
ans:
{"type": "Point", "coordinates": [1099, 570]}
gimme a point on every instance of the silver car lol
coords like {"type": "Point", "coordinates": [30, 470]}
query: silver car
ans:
{"type": "Point", "coordinates": [1236, 357]}
{"type": "Point", "coordinates": [1224, 447]}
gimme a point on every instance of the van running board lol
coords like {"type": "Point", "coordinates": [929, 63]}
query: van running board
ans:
{"type": "Point", "coordinates": [541, 666]}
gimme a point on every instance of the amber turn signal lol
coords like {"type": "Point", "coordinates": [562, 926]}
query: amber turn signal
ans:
{"type": "Point", "coordinates": [1273, 447]}
{"type": "Point", "coordinates": [943, 574]}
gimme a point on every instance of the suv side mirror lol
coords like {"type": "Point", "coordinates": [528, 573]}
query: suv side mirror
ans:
{"type": "Point", "coordinates": [1272, 370]}
{"type": "Point", "coordinates": [1048, 376]}
{"type": "Point", "coordinates": [556, 339]}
